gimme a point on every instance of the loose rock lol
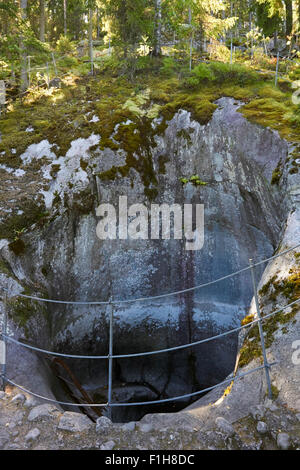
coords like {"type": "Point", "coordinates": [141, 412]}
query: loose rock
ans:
{"type": "Point", "coordinates": [43, 411]}
{"type": "Point", "coordinates": [103, 424]}
{"type": "Point", "coordinates": [109, 445]}
{"type": "Point", "coordinates": [262, 428]}
{"type": "Point", "coordinates": [129, 426]}
{"type": "Point", "coordinates": [283, 441]}
{"type": "Point", "coordinates": [74, 422]}
{"type": "Point", "coordinates": [225, 427]}
{"type": "Point", "coordinates": [19, 398]}
{"type": "Point", "coordinates": [32, 435]}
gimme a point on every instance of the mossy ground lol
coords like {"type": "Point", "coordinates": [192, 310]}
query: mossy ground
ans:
{"type": "Point", "coordinates": [125, 111]}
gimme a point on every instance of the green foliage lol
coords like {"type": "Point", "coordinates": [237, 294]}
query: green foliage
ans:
{"type": "Point", "coordinates": [168, 67]}
{"type": "Point", "coordinates": [67, 62]}
{"type": "Point", "coordinates": [200, 74]}
{"type": "Point", "coordinates": [235, 74]}
{"type": "Point", "coordinates": [219, 73]}
{"type": "Point", "coordinates": [65, 46]}
{"type": "Point", "coordinates": [194, 179]}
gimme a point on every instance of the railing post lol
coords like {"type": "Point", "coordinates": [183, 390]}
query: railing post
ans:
{"type": "Point", "coordinates": [110, 359]}
{"type": "Point", "coordinates": [3, 343]}
{"type": "Point", "coordinates": [261, 332]}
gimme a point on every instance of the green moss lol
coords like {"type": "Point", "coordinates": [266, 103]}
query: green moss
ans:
{"type": "Point", "coordinates": [5, 268]}
{"type": "Point", "coordinates": [277, 174]}
{"type": "Point", "coordinates": [22, 310]}
{"type": "Point", "coordinates": [290, 288]}
{"type": "Point", "coordinates": [275, 392]}
{"type": "Point", "coordinates": [184, 135]}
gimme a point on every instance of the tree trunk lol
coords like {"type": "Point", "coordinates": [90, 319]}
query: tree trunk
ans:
{"type": "Point", "coordinates": [65, 17]}
{"type": "Point", "coordinates": [91, 39]}
{"type": "Point", "coordinates": [289, 17]}
{"type": "Point", "coordinates": [42, 20]}
{"type": "Point", "coordinates": [98, 23]}
{"type": "Point", "coordinates": [24, 76]}
{"type": "Point", "coordinates": [157, 34]}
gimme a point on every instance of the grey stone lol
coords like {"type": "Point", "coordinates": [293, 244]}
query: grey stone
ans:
{"type": "Point", "coordinates": [19, 398]}
{"type": "Point", "coordinates": [109, 445]}
{"type": "Point", "coordinates": [30, 402]}
{"type": "Point", "coordinates": [225, 427]}
{"type": "Point", "coordinates": [74, 422]}
{"type": "Point", "coordinates": [45, 411]}
{"type": "Point", "coordinates": [145, 427]}
{"type": "Point", "coordinates": [129, 426]}
{"type": "Point", "coordinates": [32, 435]}
{"type": "Point", "coordinates": [103, 424]}
{"type": "Point", "coordinates": [12, 447]}
{"type": "Point", "coordinates": [283, 441]}
{"type": "Point", "coordinates": [298, 416]}
{"type": "Point", "coordinates": [4, 438]}
{"type": "Point", "coordinates": [258, 411]}
{"type": "Point", "coordinates": [261, 427]}
{"type": "Point", "coordinates": [2, 395]}
{"type": "Point", "coordinates": [270, 405]}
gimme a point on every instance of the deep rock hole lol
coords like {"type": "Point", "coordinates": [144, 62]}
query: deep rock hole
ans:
{"type": "Point", "coordinates": [243, 219]}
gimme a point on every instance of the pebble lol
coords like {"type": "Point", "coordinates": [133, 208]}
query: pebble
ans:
{"type": "Point", "coordinates": [103, 424]}
{"type": "Point", "coordinates": [145, 427]}
{"type": "Point", "coordinates": [283, 441]}
{"type": "Point", "coordinates": [129, 426]}
{"type": "Point", "coordinates": [261, 427]}
{"type": "Point", "coordinates": [43, 411]}
{"type": "Point", "coordinates": [109, 445]}
{"type": "Point", "coordinates": [20, 398]}
{"type": "Point", "coordinates": [32, 435]}
{"type": "Point", "coordinates": [74, 422]}
{"type": "Point", "coordinates": [225, 427]}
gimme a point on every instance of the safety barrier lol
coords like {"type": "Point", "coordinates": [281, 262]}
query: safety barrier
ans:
{"type": "Point", "coordinates": [110, 356]}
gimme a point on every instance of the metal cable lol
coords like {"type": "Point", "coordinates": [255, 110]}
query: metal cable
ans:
{"type": "Point", "coordinates": [137, 403]}
{"type": "Point", "coordinates": [143, 299]}
{"type": "Point", "coordinates": [149, 353]}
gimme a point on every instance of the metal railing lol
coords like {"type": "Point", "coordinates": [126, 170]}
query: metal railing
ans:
{"type": "Point", "coordinates": [110, 356]}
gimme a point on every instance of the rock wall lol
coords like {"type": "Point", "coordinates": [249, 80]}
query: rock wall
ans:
{"type": "Point", "coordinates": [244, 217]}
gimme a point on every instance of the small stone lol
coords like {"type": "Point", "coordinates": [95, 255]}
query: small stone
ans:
{"type": "Point", "coordinates": [298, 416]}
{"type": "Point", "coordinates": [225, 427]}
{"type": "Point", "coordinates": [30, 402]}
{"type": "Point", "coordinates": [261, 427]}
{"type": "Point", "coordinates": [4, 437]}
{"type": "Point", "coordinates": [270, 405]}
{"type": "Point", "coordinates": [129, 426]}
{"type": "Point", "coordinates": [145, 427]}
{"type": "Point", "coordinates": [32, 435]}
{"type": "Point", "coordinates": [43, 411]}
{"type": "Point", "coordinates": [15, 433]}
{"type": "Point", "coordinates": [109, 445]}
{"type": "Point", "coordinates": [2, 395]}
{"type": "Point", "coordinates": [20, 398]}
{"type": "Point", "coordinates": [74, 422]}
{"type": "Point", "coordinates": [13, 447]}
{"type": "Point", "coordinates": [258, 411]}
{"type": "Point", "coordinates": [283, 441]}
{"type": "Point", "coordinates": [103, 424]}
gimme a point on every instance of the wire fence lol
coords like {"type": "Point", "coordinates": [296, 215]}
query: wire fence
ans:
{"type": "Point", "coordinates": [110, 356]}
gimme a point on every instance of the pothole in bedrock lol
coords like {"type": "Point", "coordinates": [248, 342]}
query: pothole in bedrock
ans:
{"type": "Point", "coordinates": [244, 215]}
